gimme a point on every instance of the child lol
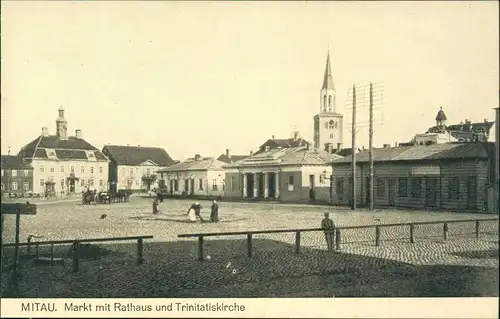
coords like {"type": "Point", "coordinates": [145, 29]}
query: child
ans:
{"type": "Point", "coordinates": [329, 227]}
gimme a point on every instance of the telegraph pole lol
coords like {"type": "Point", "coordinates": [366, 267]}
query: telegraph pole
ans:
{"type": "Point", "coordinates": [353, 191]}
{"type": "Point", "coordinates": [370, 145]}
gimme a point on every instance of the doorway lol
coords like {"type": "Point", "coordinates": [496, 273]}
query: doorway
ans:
{"type": "Point", "coordinates": [431, 192]}
{"type": "Point", "coordinates": [250, 182]}
{"type": "Point", "coordinates": [260, 185]}
{"type": "Point", "coordinates": [192, 186]}
{"type": "Point", "coordinates": [392, 192]}
{"type": "Point", "coordinates": [312, 194]}
{"type": "Point", "coordinates": [472, 192]}
{"type": "Point", "coordinates": [271, 185]}
{"type": "Point", "coordinates": [71, 185]}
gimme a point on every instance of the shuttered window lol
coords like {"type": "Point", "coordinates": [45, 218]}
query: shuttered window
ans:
{"type": "Point", "coordinates": [403, 187]}
{"type": "Point", "coordinates": [416, 187]}
{"type": "Point", "coordinates": [453, 187]}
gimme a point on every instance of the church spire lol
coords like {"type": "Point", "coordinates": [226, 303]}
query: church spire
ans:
{"type": "Point", "coordinates": [328, 79]}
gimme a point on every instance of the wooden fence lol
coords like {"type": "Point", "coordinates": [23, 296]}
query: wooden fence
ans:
{"type": "Point", "coordinates": [337, 231]}
{"type": "Point", "coordinates": [76, 245]}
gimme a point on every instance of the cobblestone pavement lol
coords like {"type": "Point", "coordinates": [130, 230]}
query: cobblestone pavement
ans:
{"type": "Point", "coordinates": [170, 268]}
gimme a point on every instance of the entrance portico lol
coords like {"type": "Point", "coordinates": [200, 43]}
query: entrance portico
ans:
{"type": "Point", "coordinates": [258, 184]}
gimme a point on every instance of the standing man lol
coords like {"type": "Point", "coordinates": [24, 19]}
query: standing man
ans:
{"type": "Point", "coordinates": [329, 229]}
{"type": "Point", "coordinates": [214, 215]}
{"type": "Point", "coordinates": [155, 206]}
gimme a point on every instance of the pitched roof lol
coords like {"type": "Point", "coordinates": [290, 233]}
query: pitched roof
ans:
{"type": "Point", "coordinates": [234, 158]}
{"type": "Point", "coordinates": [287, 156]}
{"type": "Point", "coordinates": [136, 155]}
{"type": "Point", "coordinates": [447, 151]}
{"type": "Point", "coordinates": [282, 143]}
{"type": "Point", "coordinates": [203, 164]}
{"type": "Point", "coordinates": [14, 162]}
{"type": "Point", "coordinates": [72, 148]}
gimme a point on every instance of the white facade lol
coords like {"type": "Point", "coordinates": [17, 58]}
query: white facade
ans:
{"type": "Point", "coordinates": [434, 138]}
{"type": "Point", "coordinates": [93, 175]}
{"type": "Point", "coordinates": [130, 176]}
{"type": "Point", "coordinates": [195, 182]}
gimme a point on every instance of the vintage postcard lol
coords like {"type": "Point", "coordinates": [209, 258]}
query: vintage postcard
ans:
{"type": "Point", "coordinates": [250, 159]}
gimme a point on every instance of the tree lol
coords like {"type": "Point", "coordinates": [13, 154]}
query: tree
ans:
{"type": "Point", "coordinates": [148, 180]}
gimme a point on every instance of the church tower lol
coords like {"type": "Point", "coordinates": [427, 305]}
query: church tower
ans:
{"type": "Point", "coordinates": [328, 124]}
{"type": "Point", "coordinates": [62, 126]}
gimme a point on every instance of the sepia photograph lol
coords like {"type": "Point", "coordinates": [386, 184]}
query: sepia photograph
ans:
{"type": "Point", "coordinates": [212, 153]}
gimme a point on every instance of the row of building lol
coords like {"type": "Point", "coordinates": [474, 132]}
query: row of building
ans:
{"type": "Point", "coordinates": [447, 167]}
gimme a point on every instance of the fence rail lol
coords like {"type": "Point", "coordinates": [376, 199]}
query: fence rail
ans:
{"type": "Point", "coordinates": [337, 233]}
{"type": "Point", "coordinates": [76, 245]}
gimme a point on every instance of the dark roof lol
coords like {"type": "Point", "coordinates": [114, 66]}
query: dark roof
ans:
{"type": "Point", "coordinates": [72, 148]}
{"type": "Point", "coordinates": [328, 79]}
{"type": "Point", "coordinates": [234, 158]}
{"type": "Point", "coordinates": [479, 150]}
{"type": "Point", "coordinates": [136, 155]}
{"type": "Point", "coordinates": [14, 162]}
{"type": "Point", "coordinates": [441, 116]}
{"type": "Point", "coordinates": [282, 143]}
{"type": "Point", "coordinates": [344, 152]}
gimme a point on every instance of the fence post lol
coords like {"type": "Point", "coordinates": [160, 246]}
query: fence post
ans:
{"type": "Point", "coordinates": [477, 228]}
{"type": "Point", "coordinates": [200, 248]}
{"type": "Point", "coordinates": [75, 256]}
{"type": "Point", "coordinates": [52, 254]}
{"type": "Point", "coordinates": [445, 231]}
{"type": "Point", "coordinates": [36, 252]}
{"type": "Point", "coordinates": [249, 245]}
{"type": "Point", "coordinates": [297, 242]}
{"type": "Point", "coordinates": [337, 239]}
{"type": "Point", "coordinates": [377, 236]}
{"type": "Point", "coordinates": [140, 248]}
{"type": "Point", "coordinates": [412, 229]}
{"type": "Point", "coordinates": [29, 245]}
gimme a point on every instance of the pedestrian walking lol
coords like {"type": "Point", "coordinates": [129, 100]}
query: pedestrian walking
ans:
{"type": "Point", "coordinates": [155, 206]}
{"type": "Point", "coordinates": [214, 214]}
{"type": "Point", "coordinates": [329, 229]}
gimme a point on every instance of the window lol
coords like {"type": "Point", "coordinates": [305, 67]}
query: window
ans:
{"type": "Point", "coordinates": [453, 187]}
{"type": "Point", "coordinates": [62, 183]}
{"type": "Point", "coordinates": [201, 184]}
{"type": "Point", "coordinates": [321, 179]}
{"type": "Point", "coordinates": [326, 124]}
{"type": "Point", "coordinates": [403, 187]}
{"type": "Point", "coordinates": [330, 101]}
{"type": "Point", "coordinates": [82, 182]}
{"type": "Point", "coordinates": [82, 169]}
{"type": "Point", "coordinates": [380, 187]}
{"type": "Point", "coordinates": [72, 169]}
{"type": "Point", "coordinates": [91, 182]}
{"type": "Point", "coordinates": [62, 168]}
{"type": "Point", "coordinates": [331, 136]}
{"type": "Point", "coordinates": [290, 180]}
{"type": "Point", "coordinates": [340, 188]}
{"type": "Point", "coordinates": [324, 103]}
{"type": "Point", "coordinates": [14, 172]}
{"type": "Point", "coordinates": [26, 172]}
{"type": "Point", "coordinates": [416, 187]}
{"type": "Point", "coordinates": [90, 155]}
{"type": "Point", "coordinates": [100, 169]}
{"type": "Point", "coordinates": [14, 186]}
{"type": "Point", "coordinates": [214, 185]}
{"type": "Point", "coordinates": [42, 182]}
{"type": "Point", "coordinates": [137, 170]}
{"type": "Point", "coordinates": [131, 171]}
{"type": "Point", "coordinates": [148, 171]}
{"type": "Point", "coordinates": [176, 185]}
{"type": "Point", "coordinates": [3, 187]}
{"type": "Point", "coordinates": [42, 169]}
{"type": "Point", "coordinates": [91, 169]}
{"type": "Point", "coordinates": [2, 172]}
{"type": "Point", "coordinates": [26, 186]}
{"type": "Point", "coordinates": [52, 170]}
{"type": "Point", "coordinates": [100, 182]}
{"type": "Point", "coordinates": [234, 183]}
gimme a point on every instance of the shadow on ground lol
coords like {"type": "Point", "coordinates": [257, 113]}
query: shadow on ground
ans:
{"type": "Point", "coordinates": [171, 269]}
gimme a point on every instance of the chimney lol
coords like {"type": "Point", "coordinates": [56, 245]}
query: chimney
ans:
{"type": "Point", "coordinates": [295, 135]}
{"type": "Point", "coordinates": [339, 146]}
{"type": "Point", "coordinates": [227, 153]}
{"type": "Point", "coordinates": [387, 145]}
{"type": "Point", "coordinates": [267, 148]}
{"type": "Point", "coordinates": [8, 152]}
{"type": "Point", "coordinates": [330, 148]}
{"type": "Point", "coordinates": [395, 144]}
{"type": "Point", "coordinates": [273, 137]}
{"type": "Point", "coordinates": [251, 153]}
{"type": "Point", "coordinates": [45, 131]}
{"type": "Point", "coordinates": [197, 157]}
{"type": "Point", "coordinates": [78, 134]}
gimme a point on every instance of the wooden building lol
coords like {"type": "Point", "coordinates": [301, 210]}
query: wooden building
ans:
{"type": "Point", "coordinates": [453, 177]}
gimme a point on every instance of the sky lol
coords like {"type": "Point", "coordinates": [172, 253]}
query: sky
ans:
{"type": "Point", "coordinates": [203, 77]}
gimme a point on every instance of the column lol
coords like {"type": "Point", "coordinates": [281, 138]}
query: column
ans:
{"type": "Point", "coordinates": [245, 181]}
{"type": "Point", "coordinates": [266, 185]}
{"type": "Point", "coordinates": [277, 185]}
{"type": "Point", "coordinates": [255, 185]}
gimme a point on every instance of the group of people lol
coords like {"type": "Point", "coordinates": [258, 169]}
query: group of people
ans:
{"type": "Point", "coordinates": [194, 211]}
